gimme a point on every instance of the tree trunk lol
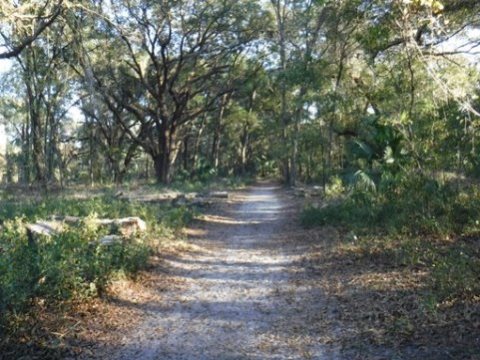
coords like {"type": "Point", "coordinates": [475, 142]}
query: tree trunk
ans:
{"type": "Point", "coordinates": [37, 135]}
{"type": "Point", "coordinates": [117, 172]}
{"type": "Point", "coordinates": [216, 148]}
{"type": "Point", "coordinates": [185, 152]}
{"type": "Point", "coordinates": [147, 169]}
{"type": "Point", "coordinates": [173, 151]}
{"type": "Point", "coordinates": [246, 134]}
{"type": "Point", "coordinates": [161, 157]}
{"type": "Point", "coordinates": [280, 14]}
{"type": "Point", "coordinates": [218, 131]}
{"type": "Point", "coordinates": [37, 148]}
{"type": "Point", "coordinates": [161, 163]}
{"type": "Point", "coordinates": [10, 167]}
{"type": "Point", "coordinates": [243, 150]}
{"type": "Point", "coordinates": [91, 172]}
{"type": "Point", "coordinates": [52, 152]}
{"type": "Point", "coordinates": [294, 170]}
{"type": "Point", "coordinates": [196, 150]}
{"type": "Point", "coordinates": [335, 107]}
{"type": "Point", "coordinates": [25, 159]}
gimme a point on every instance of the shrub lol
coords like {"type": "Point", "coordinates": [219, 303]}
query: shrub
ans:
{"type": "Point", "coordinates": [334, 187]}
{"type": "Point", "coordinates": [70, 265]}
{"type": "Point", "coordinates": [418, 212]}
{"type": "Point", "coordinates": [178, 217]}
{"type": "Point", "coordinates": [73, 265]}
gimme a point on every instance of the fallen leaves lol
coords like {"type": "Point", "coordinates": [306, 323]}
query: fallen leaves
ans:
{"type": "Point", "coordinates": [380, 305]}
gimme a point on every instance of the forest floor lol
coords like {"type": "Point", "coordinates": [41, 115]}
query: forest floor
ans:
{"type": "Point", "coordinates": [239, 292]}
{"type": "Point", "coordinates": [249, 282]}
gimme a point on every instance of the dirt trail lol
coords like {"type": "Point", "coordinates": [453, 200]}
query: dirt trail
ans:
{"type": "Point", "coordinates": [245, 295]}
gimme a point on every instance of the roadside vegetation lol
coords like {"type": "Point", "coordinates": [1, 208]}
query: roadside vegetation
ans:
{"type": "Point", "coordinates": [56, 272]}
{"type": "Point", "coordinates": [415, 241]}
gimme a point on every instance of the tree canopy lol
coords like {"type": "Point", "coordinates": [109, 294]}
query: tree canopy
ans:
{"type": "Point", "coordinates": [309, 90]}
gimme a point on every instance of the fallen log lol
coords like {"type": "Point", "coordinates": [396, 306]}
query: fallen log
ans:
{"type": "Point", "coordinates": [130, 226]}
{"type": "Point", "coordinates": [201, 202]}
{"type": "Point", "coordinates": [316, 191]}
{"type": "Point", "coordinates": [109, 240]}
{"type": "Point", "coordinates": [71, 220]}
{"type": "Point", "coordinates": [126, 226]}
{"type": "Point", "coordinates": [180, 200]}
{"type": "Point", "coordinates": [218, 194]}
{"type": "Point", "coordinates": [299, 192]}
{"type": "Point", "coordinates": [43, 228]}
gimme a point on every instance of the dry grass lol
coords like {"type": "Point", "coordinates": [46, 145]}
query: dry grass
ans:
{"type": "Point", "coordinates": [380, 306]}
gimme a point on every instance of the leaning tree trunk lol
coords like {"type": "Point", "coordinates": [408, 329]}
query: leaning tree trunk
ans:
{"type": "Point", "coordinates": [185, 152]}
{"type": "Point", "coordinates": [216, 148]}
{"type": "Point", "coordinates": [246, 135]}
{"type": "Point", "coordinates": [196, 149]}
{"type": "Point", "coordinates": [225, 100]}
{"type": "Point", "coordinates": [243, 150]}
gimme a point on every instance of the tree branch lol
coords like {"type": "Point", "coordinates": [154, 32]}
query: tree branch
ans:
{"type": "Point", "coordinates": [42, 26]}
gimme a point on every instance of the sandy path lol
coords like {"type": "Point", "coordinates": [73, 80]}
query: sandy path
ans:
{"type": "Point", "coordinates": [244, 297]}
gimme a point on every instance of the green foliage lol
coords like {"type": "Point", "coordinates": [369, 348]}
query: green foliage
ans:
{"type": "Point", "coordinates": [70, 265]}
{"type": "Point", "coordinates": [408, 215]}
{"type": "Point", "coordinates": [18, 267]}
{"type": "Point", "coordinates": [73, 264]}
{"type": "Point", "coordinates": [410, 205]}
{"type": "Point", "coordinates": [204, 183]}
{"type": "Point", "coordinates": [456, 273]}
{"type": "Point", "coordinates": [335, 187]}
{"type": "Point", "coordinates": [454, 266]}
{"type": "Point", "coordinates": [106, 206]}
{"type": "Point", "coordinates": [178, 217]}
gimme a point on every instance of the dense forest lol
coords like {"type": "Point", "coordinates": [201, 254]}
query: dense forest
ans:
{"type": "Point", "coordinates": [105, 91]}
{"type": "Point", "coordinates": [368, 110]}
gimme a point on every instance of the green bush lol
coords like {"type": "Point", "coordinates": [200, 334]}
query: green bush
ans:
{"type": "Point", "coordinates": [202, 183]}
{"type": "Point", "coordinates": [70, 265]}
{"type": "Point", "coordinates": [73, 265]}
{"type": "Point", "coordinates": [416, 211]}
{"type": "Point", "coordinates": [18, 267]}
{"type": "Point", "coordinates": [415, 205]}
{"type": "Point", "coordinates": [178, 217]}
{"type": "Point", "coordinates": [104, 206]}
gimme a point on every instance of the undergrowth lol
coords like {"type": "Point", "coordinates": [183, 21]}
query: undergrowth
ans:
{"type": "Point", "coordinates": [204, 184]}
{"type": "Point", "coordinates": [419, 222]}
{"type": "Point", "coordinates": [72, 265]}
